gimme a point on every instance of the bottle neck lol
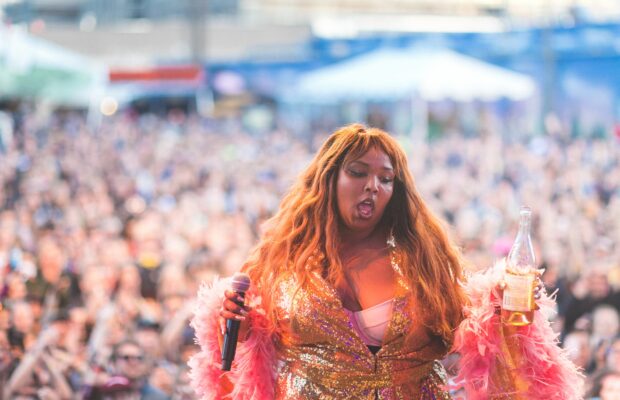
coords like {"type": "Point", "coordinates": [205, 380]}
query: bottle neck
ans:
{"type": "Point", "coordinates": [522, 253]}
{"type": "Point", "coordinates": [524, 228]}
{"type": "Point", "coordinates": [525, 222]}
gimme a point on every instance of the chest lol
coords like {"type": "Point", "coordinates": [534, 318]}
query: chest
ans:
{"type": "Point", "coordinates": [369, 278]}
{"type": "Point", "coordinates": [314, 315]}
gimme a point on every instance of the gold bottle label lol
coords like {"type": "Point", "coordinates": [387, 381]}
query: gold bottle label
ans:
{"type": "Point", "coordinates": [518, 292]}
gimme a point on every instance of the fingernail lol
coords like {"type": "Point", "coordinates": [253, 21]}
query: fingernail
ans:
{"type": "Point", "coordinates": [243, 312]}
{"type": "Point", "coordinates": [239, 317]}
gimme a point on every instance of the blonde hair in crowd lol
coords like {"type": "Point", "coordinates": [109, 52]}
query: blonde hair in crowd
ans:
{"type": "Point", "coordinates": [308, 221]}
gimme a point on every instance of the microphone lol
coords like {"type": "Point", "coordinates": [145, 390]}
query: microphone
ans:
{"type": "Point", "coordinates": [240, 284]}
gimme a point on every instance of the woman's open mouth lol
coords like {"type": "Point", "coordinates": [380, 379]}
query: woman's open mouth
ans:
{"type": "Point", "coordinates": [366, 208]}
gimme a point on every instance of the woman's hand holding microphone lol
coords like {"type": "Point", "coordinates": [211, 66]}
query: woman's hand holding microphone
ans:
{"type": "Point", "coordinates": [234, 318]}
{"type": "Point", "coordinates": [232, 310]}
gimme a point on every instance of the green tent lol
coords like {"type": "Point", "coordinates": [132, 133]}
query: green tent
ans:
{"type": "Point", "coordinates": [33, 69]}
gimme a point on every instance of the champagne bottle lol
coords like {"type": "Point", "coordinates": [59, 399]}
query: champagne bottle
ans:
{"type": "Point", "coordinates": [520, 277]}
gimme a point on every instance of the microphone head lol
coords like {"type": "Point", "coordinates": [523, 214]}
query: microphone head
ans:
{"type": "Point", "coordinates": [240, 282]}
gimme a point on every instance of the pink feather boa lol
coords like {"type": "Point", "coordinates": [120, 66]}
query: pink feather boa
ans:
{"type": "Point", "coordinates": [543, 365]}
{"type": "Point", "coordinates": [253, 371]}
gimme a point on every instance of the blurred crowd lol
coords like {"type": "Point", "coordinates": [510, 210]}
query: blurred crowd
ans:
{"type": "Point", "coordinates": [106, 234]}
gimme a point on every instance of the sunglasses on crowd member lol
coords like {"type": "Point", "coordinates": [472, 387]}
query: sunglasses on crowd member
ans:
{"type": "Point", "coordinates": [129, 357]}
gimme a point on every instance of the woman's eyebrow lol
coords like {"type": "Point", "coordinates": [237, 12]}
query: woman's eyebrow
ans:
{"type": "Point", "coordinates": [385, 167]}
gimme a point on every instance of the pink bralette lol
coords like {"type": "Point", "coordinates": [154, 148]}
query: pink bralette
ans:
{"type": "Point", "coordinates": [371, 323]}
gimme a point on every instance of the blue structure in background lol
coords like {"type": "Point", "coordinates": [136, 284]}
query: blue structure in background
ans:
{"type": "Point", "coordinates": [588, 52]}
{"type": "Point", "coordinates": [577, 68]}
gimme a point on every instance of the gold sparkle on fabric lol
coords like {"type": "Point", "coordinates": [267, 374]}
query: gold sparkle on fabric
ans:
{"type": "Point", "coordinates": [322, 357]}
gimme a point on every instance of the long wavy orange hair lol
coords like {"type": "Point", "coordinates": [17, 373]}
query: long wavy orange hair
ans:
{"type": "Point", "coordinates": [308, 220]}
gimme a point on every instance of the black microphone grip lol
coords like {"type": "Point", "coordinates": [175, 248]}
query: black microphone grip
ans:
{"type": "Point", "coordinates": [230, 337]}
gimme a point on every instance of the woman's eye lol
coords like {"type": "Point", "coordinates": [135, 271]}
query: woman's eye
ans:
{"type": "Point", "coordinates": [357, 174]}
{"type": "Point", "coordinates": [387, 180]}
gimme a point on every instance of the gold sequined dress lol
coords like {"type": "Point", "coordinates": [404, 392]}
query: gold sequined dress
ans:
{"type": "Point", "coordinates": [320, 355]}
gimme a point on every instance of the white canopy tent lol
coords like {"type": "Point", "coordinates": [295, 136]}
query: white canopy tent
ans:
{"type": "Point", "coordinates": [420, 75]}
{"type": "Point", "coordinates": [430, 74]}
